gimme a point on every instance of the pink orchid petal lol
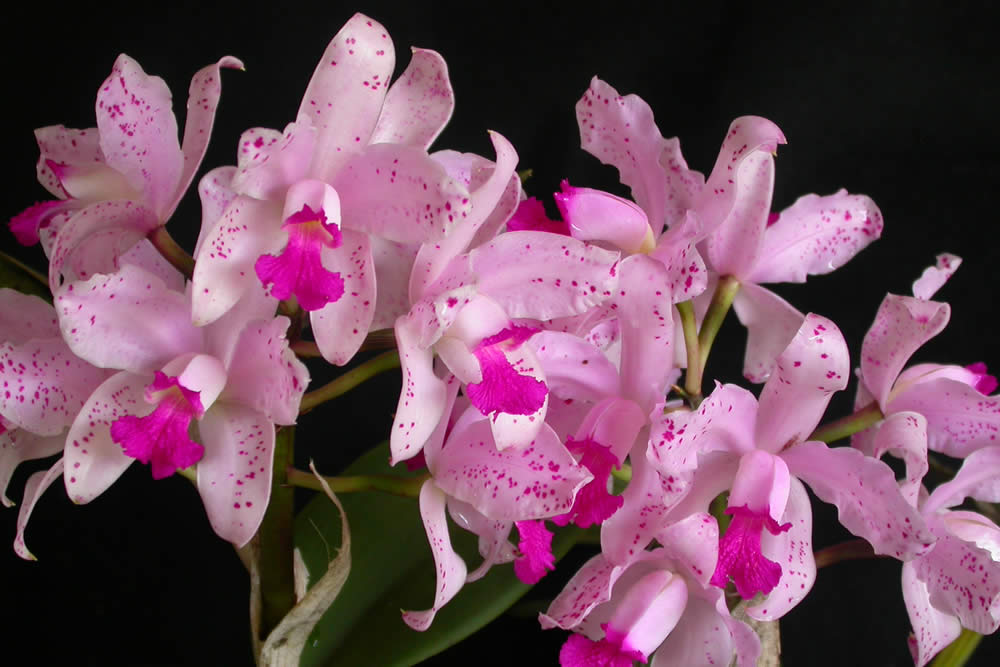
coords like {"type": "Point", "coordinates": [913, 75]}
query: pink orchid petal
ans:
{"type": "Point", "coordinates": [693, 545]}
{"type": "Point", "coordinates": [423, 397]}
{"type": "Point", "coordinates": [979, 478]}
{"type": "Point", "coordinates": [18, 445]}
{"type": "Point", "coordinates": [677, 251]}
{"type": "Point", "coordinates": [494, 546]}
{"type": "Point", "coordinates": [128, 320]}
{"type": "Point", "coordinates": [565, 276]}
{"type": "Point", "coordinates": [400, 193]}
{"type": "Point", "coordinates": [761, 485]}
{"type": "Point", "coordinates": [594, 215]}
{"type": "Point", "coordinates": [735, 245]}
{"type": "Point", "coordinates": [933, 629]}
{"type": "Point", "coordinates": [487, 202]}
{"type": "Point", "coordinates": [93, 461]}
{"type": "Point", "coordinates": [647, 330]}
{"type": "Point", "coordinates": [139, 133]}
{"type": "Point", "coordinates": [29, 225]}
{"type": "Point", "coordinates": [36, 485]}
{"type": "Point", "coordinates": [92, 182]}
{"type": "Point", "coordinates": [868, 500]}
{"type": "Point", "coordinates": [588, 588]}
{"type": "Point", "coordinates": [145, 256]}
{"type": "Point", "coordinates": [792, 550]}
{"type": "Point", "coordinates": [963, 578]}
{"type": "Point", "coordinates": [648, 499]}
{"type": "Point", "coordinates": [903, 434]}
{"type": "Point", "coordinates": [807, 373]}
{"type": "Point", "coordinates": [451, 569]}
{"type": "Point", "coordinates": [43, 385]}
{"type": "Point", "coordinates": [203, 100]}
{"type": "Point", "coordinates": [340, 327]}
{"type": "Point", "coordinates": [419, 103]}
{"type": "Point", "coordinates": [536, 482]}
{"type": "Point", "coordinates": [933, 277]}
{"type": "Point", "coordinates": [593, 504]}
{"type": "Point", "coordinates": [264, 374]}
{"type": "Point", "coordinates": [771, 324]}
{"type": "Point", "coordinates": [615, 423]}
{"type": "Point", "coordinates": [216, 194]}
{"type": "Point", "coordinates": [224, 269]}
{"type": "Point", "coordinates": [346, 93]}
{"type": "Point", "coordinates": [901, 326]}
{"type": "Point", "coordinates": [60, 145]}
{"type": "Point", "coordinates": [269, 162]}
{"type": "Point", "coordinates": [724, 422]}
{"type": "Point", "coordinates": [620, 131]}
{"type": "Point", "coordinates": [234, 477]}
{"type": "Point", "coordinates": [24, 316]}
{"type": "Point", "coordinates": [721, 195]}
{"type": "Point", "coordinates": [706, 636]}
{"type": "Point", "coordinates": [449, 420]}
{"type": "Point", "coordinates": [94, 238]}
{"type": "Point", "coordinates": [815, 236]}
{"type": "Point", "coordinates": [648, 612]}
{"type": "Point", "coordinates": [393, 265]}
{"type": "Point", "coordinates": [960, 420]}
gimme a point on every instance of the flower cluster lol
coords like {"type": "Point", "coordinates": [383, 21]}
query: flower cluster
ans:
{"type": "Point", "coordinates": [540, 358]}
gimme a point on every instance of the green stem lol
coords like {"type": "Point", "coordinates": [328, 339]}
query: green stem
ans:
{"type": "Point", "coordinates": [722, 300]}
{"type": "Point", "coordinates": [692, 380]}
{"type": "Point", "coordinates": [380, 339]}
{"type": "Point", "coordinates": [850, 550]}
{"type": "Point", "coordinates": [847, 426]}
{"type": "Point", "coordinates": [959, 651]}
{"type": "Point", "coordinates": [305, 349]}
{"type": "Point", "coordinates": [276, 533]}
{"type": "Point", "coordinates": [624, 473]}
{"type": "Point", "coordinates": [408, 487]}
{"type": "Point", "coordinates": [43, 280]}
{"type": "Point", "coordinates": [349, 380]}
{"type": "Point", "coordinates": [173, 253]}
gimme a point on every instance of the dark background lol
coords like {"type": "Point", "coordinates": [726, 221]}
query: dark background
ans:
{"type": "Point", "coordinates": [897, 101]}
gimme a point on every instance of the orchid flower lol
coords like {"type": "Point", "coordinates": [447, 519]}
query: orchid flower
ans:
{"type": "Point", "coordinates": [495, 490]}
{"type": "Point", "coordinates": [299, 210]}
{"type": "Point", "coordinates": [118, 182]}
{"type": "Point", "coordinates": [659, 603]}
{"type": "Point", "coordinates": [236, 379]}
{"type": "Point", "coordinates": [759, 451]}
{"type": "Point", "coordinates": [961, 417]}
{"type": "Point", "coordinates": [957, 583]}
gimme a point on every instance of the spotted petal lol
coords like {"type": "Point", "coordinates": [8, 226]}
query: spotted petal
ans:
{"type": "Point", "coordinates": [419, 103]}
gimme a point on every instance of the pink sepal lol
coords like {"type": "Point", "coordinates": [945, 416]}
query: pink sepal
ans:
{"type": "Point", "coordinates": [933, 629]}
{"type": "Point", "coordinates": [451, 569]}
{"type": "Point", "coordinates": [771, 324]}
{"type": "Point", "coordinates": [594, 215]}
{"type": "Point", "coordinates": [36, 485]}
{"type": "Point", "coordinates": [419, 103]}
{"type": "Point", "coordinates": [933, 277]}
{"type": "Point", "coordinates": [340, 326]}
{"type": "Point", "coordinates": [18, 445]}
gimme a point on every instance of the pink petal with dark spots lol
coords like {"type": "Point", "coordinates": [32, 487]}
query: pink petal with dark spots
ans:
{"type": "Point", "coordinates": [60, 145]}
{"type": "Point", "coordinates": [933, 277]}
{"type": "Point", "coordinates": [735, 245]}
{"type": "Point", "coordinates": [216, 193]}
{"type": "Point", "coordinates": [811, 368]}
{"type": "Point", "coordinates": [138, 133]}
{"type": "Point", "coordinates": [24, 316]}
{"type": "Point", "coordinates": [346, 93]}
{"type": "Point", "coordinates": [960, 420]}
{"type": "Point", "coordinates": [816, 235]}
{"type": "Point", "coordinates": [933, 629]}
{"type": "Point", "coordinates": [451, 569]}
{"type": "Point", "coordinates": [419, 103]}
{"type": "Point", "coordinates": [593, 215]}
{"type": "Point", "coordinates": [340, 326]}
{"type": "Point", "coordinates": [234, 477]}
{"type": "Point", "coordinates": [423, 396]}
{"type": "Point", "coordinates": [588, 588]}
{"type": "Point", "coordinates": [93, 460]}
{"type": "Point", "coordinates": [18, 445]}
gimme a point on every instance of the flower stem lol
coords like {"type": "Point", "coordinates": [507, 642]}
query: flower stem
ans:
{"type": "Point", "coordinates": [305, 349]}
{"type": "Point", "coordinates": [847, 426]}
{"type": "Point", "coordinates": [349, 380]}
{"type": "Point", "coordinates": [850, 550]}
{"type": "Point", "coordinates": [276, 533]}
{"type": "Point", "coordinates": [722, 300]}
{"type": "Point", "coordinates": [959, 651]}
{"type": "Point", "coordinates": [173, 253]}
{"type": "Point", "coordinates": [692, 379]}
{"type": "Point", "coordinates": [408, 487]}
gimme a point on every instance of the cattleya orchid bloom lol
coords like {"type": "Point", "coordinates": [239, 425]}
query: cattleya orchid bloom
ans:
{"type": "Point", "coordinates": [659, 604]}
{"type": "Point", "coordinates": [236, 379]}
{"type": "Point", "coordinates": [495, 489]}
{"type": "Point", "coordinates": [297, 215]}
{"type": "Point", "coordinates": [957, 583]}
{"type": "Point", "coordinates": [961, 418]}
{"type": "Point", "coordinates": [760, 450]}
{"type": "Point", "coordinates": [118, 182]}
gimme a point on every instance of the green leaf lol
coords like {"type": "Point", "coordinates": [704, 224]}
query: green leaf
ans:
{"type": "Point", "coordinates": [19, 276]}
{"type": "Point", "coordinates": [393, 569]}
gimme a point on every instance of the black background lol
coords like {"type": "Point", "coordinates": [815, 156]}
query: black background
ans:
{"type": "Point", "coordinates": [896, 100]}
